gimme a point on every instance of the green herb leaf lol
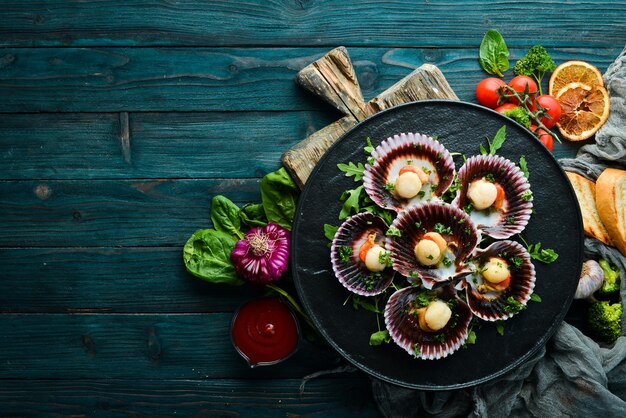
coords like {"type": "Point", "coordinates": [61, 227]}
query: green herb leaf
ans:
{"type": "Point", "coordinates": [352, 170]}
{"type": "Point", "coordinates": [523, 166]}
{"type": "Point", "coordinates": [535, 298]}
{"type": "Point", "coordinates": [279, 195]}
{"type": "Point", "coordinates": [345, 253]}
{"type": "Point", "coordinates": [527, 195]}
{"type": "Point", "coordinates": [393, 232]}
{"type": "Point", "coordinates": [361, 302]}
{"type": "Point", "coordinates": [207, 256]}
{"type": "Point", "coordinates": [483, 151]}
{"type": "Point", "coordinates": [330, 231]}
{"type": "Point", "coordinates": [379, 337]}
{"type": "Point", "coordinates": [500, 327]}
{"type": "Point", "coordinates": [471, 338]}
{"type": "Point", "coordinates": [497, 141]}
{"type": "Point", "coordinates": [439, 228]}
{"type": "Point", "coordinates": [352, 202]}
{"type": "Point", "coordinates": [369, 148]}
{"type": "Point", "coordinates": [225, 216]}
{"type": "Point", "coordinates": [493, 54]}
{"type": "Point", "coordinates": [253, 214]}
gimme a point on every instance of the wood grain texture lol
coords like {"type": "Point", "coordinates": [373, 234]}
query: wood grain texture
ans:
{"type": "Point", "coordinates": [426, 82]}
{"type": "Point", "coordinates": [74, 213]}
{"type": "Point", "coordinates": [139, 346]}
{"type": "Point", "coordinates": [348, 395]}
{"type": "Point", "coordinates": [159, 145]}
{"type": "Point", "coordinates": [214, 79]}
{"type": "Point", "coordinates": [595, 23]}
{"type": "Point", "coordinates": [112, 280]}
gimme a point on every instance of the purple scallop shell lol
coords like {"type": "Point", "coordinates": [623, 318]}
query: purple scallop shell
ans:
{"type": "Point", "coordinates": [405, 331]}
{"type": "Point", "coordinates": [353, 275]}
{"type": "Point", "coordinates": [417, 221]}
{"type": "Point", "coordinates": [514, 216]}
{"type": "Point", "coordinates": [493, 306]}
{"type": "Point", "coordinates": [397, 151]}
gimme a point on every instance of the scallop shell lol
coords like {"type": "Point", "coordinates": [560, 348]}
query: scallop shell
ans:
{"type": "Point", "coordinates": [516, 211]}
{"type": "Point", "coordinates": [405, 331]}
{"type": "Point", "coordinates": [396, 152]}
{"type": "Point", "coordinates": [353, 275]}
{"type": "Point", "coordinates": [419, 220]}
{"type": "Point", "coordinates": [493, 306]}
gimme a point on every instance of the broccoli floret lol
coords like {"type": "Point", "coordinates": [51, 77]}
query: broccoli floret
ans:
{"type": "Point", "coordinates": [611, 278]}
{"type": "Point", "coordinates": [519, 115]}
{"type": "Point", "coordinates": [536, 63]}
{"type": "Point", "coordinates": [605, 320]}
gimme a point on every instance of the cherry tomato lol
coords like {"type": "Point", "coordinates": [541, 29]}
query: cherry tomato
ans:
{"type": "Point", "coordinates": [505, 107]}
{"type": "Point", "coordinates": [488, 92]}
{"type": "Point", "coordinates": [553, 108]}
{"type": "Point", "coordinates": [544, 137]}
{"type": "Point", "coordinates": [519, 84]}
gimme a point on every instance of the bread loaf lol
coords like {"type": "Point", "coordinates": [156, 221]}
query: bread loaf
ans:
{"type": "Point", "coordinates": [586, 195]}
{"type": "Point", "coordinates": [611, 204]}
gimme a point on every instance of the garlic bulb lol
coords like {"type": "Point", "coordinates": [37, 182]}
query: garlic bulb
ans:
{"type": "Point", "coordinates": [591, 278]}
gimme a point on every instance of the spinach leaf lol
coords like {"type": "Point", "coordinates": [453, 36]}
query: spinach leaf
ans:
{"type": "Point", "coordinates": [279, 195]}
{"type": "Point", "coordinates": [207, 256]}
{"type": "Point", "coordinates": [225, 216]}
{"type": "Point", "coordinates": [253, 214]}
{"type": "Point", "coordinates": [494, 55]}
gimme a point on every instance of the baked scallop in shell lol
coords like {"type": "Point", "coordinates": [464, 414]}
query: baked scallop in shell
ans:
{"type": "Point", "coordinates": [358, 255]}
{"type": "Point", "coordinates": [426, 323]}
{"type": "Point", "coordinates": [431, 243]}
{"type": "Point", "coordinates": [408, 169]}
{"type": "Point", "coordinates": [502, 283]}
{"type": "Point", "coordinates": [496, 194]}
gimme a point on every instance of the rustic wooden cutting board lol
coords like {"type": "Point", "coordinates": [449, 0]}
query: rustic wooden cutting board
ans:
{"type": "Point", "coordinates": [332, 78]}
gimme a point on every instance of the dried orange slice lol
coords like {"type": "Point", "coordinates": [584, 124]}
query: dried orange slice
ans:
{"type": "Point", "coordinates": [574, 72]}
{"type": "Point", "coordinates": [584, 110]}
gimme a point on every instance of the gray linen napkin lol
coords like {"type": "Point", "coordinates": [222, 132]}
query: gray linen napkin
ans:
{"type": "Point", "coordinates": [573, 376]}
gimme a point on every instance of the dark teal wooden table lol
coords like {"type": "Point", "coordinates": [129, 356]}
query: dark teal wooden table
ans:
{"type": "Point", "coordinates": [120, 121]}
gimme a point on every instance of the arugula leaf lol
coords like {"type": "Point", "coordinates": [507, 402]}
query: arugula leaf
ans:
{"type": "Point", "coordinates": [225, 216]}
{"type": "Point", "coordinates": [379, 337]}
{"type": "Point", "coordinates": [500, 327]}
{"type": "Point", "coordinates": [352, 170]}
{"type": "Point", "coordinates": [369, 148]}
{"type": "Point", "coordinates": [207, 256]}
{"type": "Point", "coordinates": [524, 167]}
{"type": "Point", "coordinates": [359, 302]}
{"type": "Point", "coordinates": [471, 338]}
{"type": "Point", "coordinates": [253, 214]}
{"type": "Point", "coordinates": [497, 141]}
{"type": "Point", "coordinates": [483, 151]}
{"type": "Point", "coordinates": [545, 255]}
{"type": "Point", "coordinates": [535, 298]}
{"type": "Point", "coordinates": [330, 231]}
{"type": "Point", "coordinates": [279, 195]}
{"type": "Point", "coordinates": [493, 54]}
{"type": "Point", "coordinates": [351, 203]}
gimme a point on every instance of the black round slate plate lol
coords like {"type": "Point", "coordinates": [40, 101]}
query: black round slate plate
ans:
{"type": "Point", "coordinates": [557, 224]}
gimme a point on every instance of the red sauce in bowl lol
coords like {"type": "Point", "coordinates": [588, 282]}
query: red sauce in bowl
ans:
{"type": "Point", "coordinates": [264, 331]}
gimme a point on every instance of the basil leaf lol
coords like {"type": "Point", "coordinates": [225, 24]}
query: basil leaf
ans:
{"type": "Point", "coordinates": [494, 55]}
{"type": "Point", "coordinates": [225, 216]}
{"type": "Point", "coordinates": [253, 214]}
{"type": "Point", "coordinates": [377, 338]}
{"type": "Point", "coordinates": [207, 256]}
{"type": "Point", "coordinates": [279, 195]}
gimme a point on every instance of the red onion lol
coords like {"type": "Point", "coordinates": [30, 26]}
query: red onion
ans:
{"type": "Point", "coordinates": [262, 256]}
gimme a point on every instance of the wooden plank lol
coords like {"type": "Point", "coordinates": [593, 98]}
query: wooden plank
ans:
{"type": "Point", "coordinates": [347, 395]}
{"type": "Point", "coordinates": [109, 280]}
{"type": "Point", "coordinates": [322, 22]}
{"type": "Point", "coordinates": [160, 145]}
{"type": "Point", "coordinates": [203, 79]}
{"type": "Point", "coordinates": [100, 213]}
{"type": "Point", "coordinates": [138, 346]}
